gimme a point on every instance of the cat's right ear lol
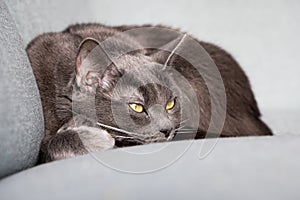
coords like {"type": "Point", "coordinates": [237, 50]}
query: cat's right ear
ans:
{"type": "Point", "coordinates": [87, 69]}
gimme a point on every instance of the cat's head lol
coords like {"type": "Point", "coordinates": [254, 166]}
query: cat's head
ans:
{"type": "Point", "coordinates": [133, 93]}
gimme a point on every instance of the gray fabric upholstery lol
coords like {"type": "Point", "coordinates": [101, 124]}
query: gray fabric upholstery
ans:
{"type": "Point", "coordinates": [34, 17]}
{"type": "Point", "coordinates": [21, 120]}
{"type": "Point", "coordinates": [237, 168]}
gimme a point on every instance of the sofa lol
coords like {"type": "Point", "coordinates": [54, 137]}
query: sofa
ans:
{"type": "Point", "coordinates": [265, 167]}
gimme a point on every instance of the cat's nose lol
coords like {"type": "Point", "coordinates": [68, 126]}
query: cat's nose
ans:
{"type": "Point", "coordinates": [166, 132]}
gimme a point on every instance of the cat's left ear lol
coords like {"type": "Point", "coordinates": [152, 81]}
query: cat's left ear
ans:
{"type": "Point", "coordinates": [87, 69]}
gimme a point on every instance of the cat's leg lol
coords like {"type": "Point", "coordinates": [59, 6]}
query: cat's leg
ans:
{"type": "Point", "coordinates": [75, 141]}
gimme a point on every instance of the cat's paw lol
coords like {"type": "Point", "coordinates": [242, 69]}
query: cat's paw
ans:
{"type": "Point", "coordinates": [75, 141]}
{"type": "Point", "coordinates": [94, 139]}
{"type": "Point", "coordinates": [63, 145]}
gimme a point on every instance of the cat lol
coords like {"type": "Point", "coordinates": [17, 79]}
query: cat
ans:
{"type": "Point", "coordinates": [66, 74]}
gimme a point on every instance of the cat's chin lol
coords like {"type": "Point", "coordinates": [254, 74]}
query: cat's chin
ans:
{"type": "Point", "coordinates": [153, 139]}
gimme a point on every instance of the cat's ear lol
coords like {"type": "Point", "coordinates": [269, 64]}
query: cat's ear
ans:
{"type": "Point", "coordinates": [160, 56]}
{"type": "Point", "coordinates": [109, 78]}
{"type": "Point", "coordinates": [87, 69]}
{"type": "Point", "coordinates": [164, 57]}
{"type": "Point", "coordinates": [94, 69]}
{"type": "Point", "coordinates": [167, 54]}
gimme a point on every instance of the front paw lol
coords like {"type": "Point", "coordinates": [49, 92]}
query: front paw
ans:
{"type": "Point", "coordinates": [62, 145]}
{"type": "Point", "coordinates": [73, 142]}
{"type": "Point", "coordinates": [95, 139]}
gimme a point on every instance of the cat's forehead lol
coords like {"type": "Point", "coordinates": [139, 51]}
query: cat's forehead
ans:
{"type": "Point", "coordinates": [129, 62]}
{"type": "Point", "coordinates": [146, 87]}
{"type": "Point", "coordinates": [153, 93]}
{"type": "Point", "coordinates": [143, 79]}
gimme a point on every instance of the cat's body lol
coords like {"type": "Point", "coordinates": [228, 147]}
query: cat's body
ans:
{"type": "Point", "coordinates": [54, 57]}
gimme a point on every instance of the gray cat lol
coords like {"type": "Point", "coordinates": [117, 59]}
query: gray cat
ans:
{"type": "Point", "coordinates": [68, 73]}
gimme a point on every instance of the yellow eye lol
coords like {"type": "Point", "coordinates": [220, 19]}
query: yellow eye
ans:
{"type": "Point", "coordinates": [136, 107]}
{"type": "Point", "coordinates": [170, 105]}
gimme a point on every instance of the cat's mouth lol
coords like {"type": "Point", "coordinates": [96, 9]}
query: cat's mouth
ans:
{"type": "Point", "coordinates": [160, 137]}
{"type": "Point", "coordinates": [126, 138]}
{"type": "Point", "coordinates": [143, 139]}
{"type": "Point", "coordinates": [154, 138]}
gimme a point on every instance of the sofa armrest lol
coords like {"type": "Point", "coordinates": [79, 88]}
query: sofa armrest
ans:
{"type": "Point", "coordinates": [21, 117]}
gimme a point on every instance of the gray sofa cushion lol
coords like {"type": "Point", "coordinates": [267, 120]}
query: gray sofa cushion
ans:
{"type": "Point", "coordinates": [21, 119]}
{"type": "Point", "coordinates": [237, 168]}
